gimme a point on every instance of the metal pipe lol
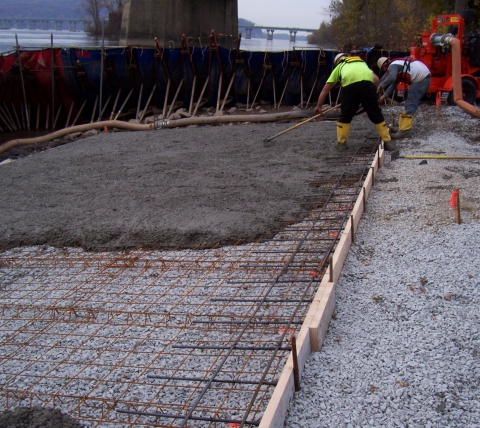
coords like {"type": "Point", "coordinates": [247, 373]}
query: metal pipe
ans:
{"type": "Point", "coordinates": [192, 95]}
{"type": "Point", "coordinates": [165, 101]}
{"type": "Point", "coordinates": [94, 109]}
{"type": "Point", "coordinates": [47, 116]}
{"type": "Point", "coordinates": [9, 117]}
{"type": "Point", "coordinates": [139, 101]}
{"type": "Point", "coordinates": [219, 93]}
{"type": "Point", "coordinates": [17, 47]}
{"type": "Point", "coordinates": [201, 95]}
{"type": "Point", "coordinates": [52, 66]}
{"type": "Point", "coordinates": [37, 125]}
{"type": "Point", "coordinates": [115, 104]}
{"type": "Point", "coordinates": [125, 102]}
{"type": "Point", "coordinates": [69, 114]}
{"type": "Point", "coordinates": [100, 111]}
{"type": "Point", "coordinates": [16, 116]}
{"type": "Point", "coordinates": [148, 102]}
{"type": "Point", "coordinates": [105, 107]}
{"type": "Point", "coordinates": [5, 120]}
{"type": "Point", "coordinates": [296, 374]}
{"type": "Point", "coordinates": [175, 98]}
{"type": "Point", "coordinates": [57, 116]}
{"type": "Point", "coordinates": [228, 91]}
{"type": "Point", "coordinates": [79, 113]}
{"type": "Point", "coordinates": [196, 379]}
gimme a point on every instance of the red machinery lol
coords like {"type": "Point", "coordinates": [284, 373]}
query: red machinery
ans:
{"type": "Point", "coordinates": [437, 56]}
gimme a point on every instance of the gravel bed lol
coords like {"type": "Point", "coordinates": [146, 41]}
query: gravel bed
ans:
{"type": "Point", "coordinates": [403, 347]}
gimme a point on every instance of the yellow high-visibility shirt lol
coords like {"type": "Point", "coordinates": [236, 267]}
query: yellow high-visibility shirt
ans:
{"type": "Point", "coordinates": [349, 71]}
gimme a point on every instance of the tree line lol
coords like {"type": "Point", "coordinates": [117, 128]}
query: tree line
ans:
{"type": "Point", "coordinates": [98, 10]}
{"type": "Point", "coordinates": [394, 24]}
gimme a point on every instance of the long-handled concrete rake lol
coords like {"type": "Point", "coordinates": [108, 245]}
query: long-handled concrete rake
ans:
{"type": "Point", "coordinates": [268, 139]}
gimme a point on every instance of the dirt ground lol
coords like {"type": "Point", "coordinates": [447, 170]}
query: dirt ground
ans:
{"type": "Point", "coordinates": [174, 188]}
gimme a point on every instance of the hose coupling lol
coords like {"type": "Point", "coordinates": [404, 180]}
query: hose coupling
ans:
{"type": "Point", "coordinates": [441, 39]}
{"type": "Point", "coordinates": [162, 124]}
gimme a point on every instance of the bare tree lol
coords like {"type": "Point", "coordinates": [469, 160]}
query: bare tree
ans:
{"type": "Point", "coordinates": [93, 9]}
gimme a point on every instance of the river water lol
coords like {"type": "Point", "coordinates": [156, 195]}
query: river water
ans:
{"type": "Point", "coordinates": [42, 38]}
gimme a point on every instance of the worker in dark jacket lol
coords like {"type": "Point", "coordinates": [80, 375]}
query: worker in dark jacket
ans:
{"type": "Point", "coordinates": [357, 87]}
{"type": "Point", "coordinates": [409, 71]}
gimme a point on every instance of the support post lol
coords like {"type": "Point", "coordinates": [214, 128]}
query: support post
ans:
{"type": "Point", "coordinates": [101, 72]}
{"type": "Point", "coordinates": [17, 47]}
{"type": "Point", "coordinates": [53, 80]}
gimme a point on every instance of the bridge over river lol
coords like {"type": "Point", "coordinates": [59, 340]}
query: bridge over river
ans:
{"type": "Point", "coordinates": [143, 20]}
{"type": "Point", "coordinates": [270, 29]}
{"type": "Point", "coordinates": [46, 24]}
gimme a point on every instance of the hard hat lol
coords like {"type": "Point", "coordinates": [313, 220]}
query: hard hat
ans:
{"type": "Point", "coordinates": [381, 62]}
{"type": "Point", "coordinates": [338, 57]}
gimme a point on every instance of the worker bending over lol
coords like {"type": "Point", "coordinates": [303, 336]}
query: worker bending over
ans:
{"type": "Point", "coordinates": [358, 86]}
{"type": "Point", "coordinates": [409, 71]}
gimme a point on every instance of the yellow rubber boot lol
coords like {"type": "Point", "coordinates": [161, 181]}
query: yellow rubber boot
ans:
{"type": "Point", "coordinates": [343, 129]}
{"type": "Point", "coordinates": [382, 130]}
{"type": "Point", "coordinates": [404, 127]}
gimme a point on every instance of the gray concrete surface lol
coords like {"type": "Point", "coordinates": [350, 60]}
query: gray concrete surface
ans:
{"type": "Point", "coordinates": [177, 188]}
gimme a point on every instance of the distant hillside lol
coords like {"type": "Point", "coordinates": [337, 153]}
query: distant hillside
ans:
{"type": "Point", "coordinates": [41, 9]}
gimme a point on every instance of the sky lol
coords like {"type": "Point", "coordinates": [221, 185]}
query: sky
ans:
{"type": "Point", "coordinates": [285, 13]}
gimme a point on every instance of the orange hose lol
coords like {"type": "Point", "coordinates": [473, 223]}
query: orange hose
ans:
{"type": "Point", "coordinates": [457, 79]}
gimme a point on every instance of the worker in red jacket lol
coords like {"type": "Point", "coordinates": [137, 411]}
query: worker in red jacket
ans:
{"type": "Point", "coordinates": [409, 71]}
{"type": "Point", "coordinates": [358, 84]}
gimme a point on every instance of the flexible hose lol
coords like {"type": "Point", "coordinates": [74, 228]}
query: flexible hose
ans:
{"type": "Point", "coordinates": [457, 78]}
{"type": "Point", "coordinates": [79, 128]}
{"type": "Point", "coordinates": [211, 120]}
{"type": "Point", "coordinates": [256, 118]}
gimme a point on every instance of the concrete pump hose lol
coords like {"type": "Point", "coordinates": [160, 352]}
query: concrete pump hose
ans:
{"type": "Point", "coordinates": [211, 120]}
{"type": "Point", "coordinates": [79, 128]}
{"type": "Point", "coordinates": [457, 78]}
{"type": "Point", "coordinates": [256, 118]}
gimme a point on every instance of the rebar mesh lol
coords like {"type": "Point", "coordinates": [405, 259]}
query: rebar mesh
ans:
{"type": "Point", "coordinates": [167, 338]}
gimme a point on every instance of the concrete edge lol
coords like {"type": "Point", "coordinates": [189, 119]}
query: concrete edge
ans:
{"type": "Point", "coordinates": [314, 328]}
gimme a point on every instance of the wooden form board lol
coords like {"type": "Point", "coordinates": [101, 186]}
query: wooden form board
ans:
{"type": "Point", "coordinates": [314, 328]}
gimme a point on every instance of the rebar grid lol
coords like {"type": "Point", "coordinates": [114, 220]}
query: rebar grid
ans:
{"type": "Point", "coordinates": [175, 338]}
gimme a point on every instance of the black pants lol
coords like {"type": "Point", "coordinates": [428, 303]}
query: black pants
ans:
{"type": "Point", "coordinates": [364, 93]}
